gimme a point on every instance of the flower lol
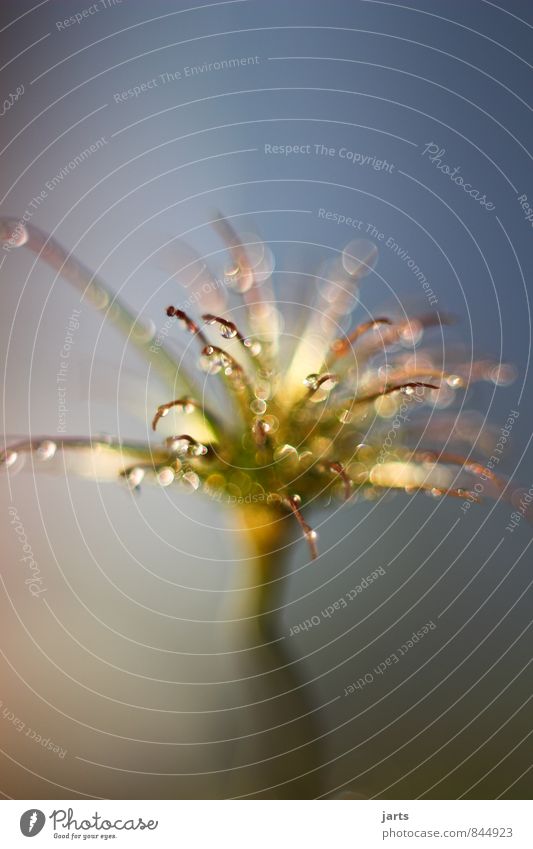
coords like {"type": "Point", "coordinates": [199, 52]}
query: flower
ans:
{"type": "Point", "coordinates": [336, 416]}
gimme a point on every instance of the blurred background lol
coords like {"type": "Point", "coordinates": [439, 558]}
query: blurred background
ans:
{"type": "Point", "coordinates": [124, 663]}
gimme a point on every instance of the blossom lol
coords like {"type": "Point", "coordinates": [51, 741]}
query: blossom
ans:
{"type": "Point", "coordinates": [336, 415]}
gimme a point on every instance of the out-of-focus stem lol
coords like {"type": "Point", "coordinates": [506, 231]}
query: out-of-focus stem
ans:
{"type": "Point", "coordinates": [287, 750]}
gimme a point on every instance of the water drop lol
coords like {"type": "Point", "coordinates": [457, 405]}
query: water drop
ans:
{"type": "Point", "coordinates": [502, 375]}
{"type": "Point", "coordinates": [178, 444]}
{"type": "Point", "coordinates": [9, 458]}
{"type": "Point", "coordinates": [226, 328]}
{"type": "Point", "coordinates": [272, 422]}
{"type": "Point", "coordinates": [454, 380]}
{"type": "Point", "coordinates": [210, 362]}
{"type": "Point", "coordinates": [411, 334]}
{"type": "Point", "coordinates": [13, 233]}
{"type": "Point", "coordinates": [97, 297]}
{"type": "Point", "coordinates": [285, 451]}
{"type": "Point", "coordinates": [258, 407]}
{"type": "Point", "coordinates": [254, 348]}
{"type": "Point", "coordinates": [385, 370]}
{"type": "Point", "coordinates": [185, 445]}
{"type": "Point", "coordinates": [135, 477]}
{"type": "Point", "coordinates": [144, 331]}
{"type": "Point", "coordinates": [311, 381]}
{"type": "Point", "coordinates": [359, 257]}
{"type": "Point", "coordinates": [46, 450]}
{"type": "Point", "coordinates": [165, 476]}
{"type": "Point", "coordinates": [191, 479]}
{"type": "Point", "coordinates": [262, 390]}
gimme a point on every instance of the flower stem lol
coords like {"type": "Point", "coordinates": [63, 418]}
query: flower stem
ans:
{"type": "Point", "coordinates": [287, 750]}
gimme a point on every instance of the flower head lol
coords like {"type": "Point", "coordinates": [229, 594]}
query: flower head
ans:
{"type": "Point", "coordinates": [338, 414]}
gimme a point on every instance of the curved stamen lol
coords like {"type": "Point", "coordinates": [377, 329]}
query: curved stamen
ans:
{"type": "Point", "coordinates": [341, 346]}
{"type": "Point", "coordinates": [395, 331]}
{"type": "Point", "coordinates": [310, 535]}
{"type": "Point", "coordinates": [187, 323]}
{"type": "Point", "coordinates": [186, 405]}
{"type": "Point", "coordinates": [388, 390]}
{"type": "Point", "coordinates": [229, 330]}
{"type": "Point", "coordinates": [339, 469]}
{"type": "Point", "coordinates": [471, 466]}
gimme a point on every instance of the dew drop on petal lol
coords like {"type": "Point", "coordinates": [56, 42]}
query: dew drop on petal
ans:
{"type": "Point", "coordinates": [135, 477]}
{"type": "Point", "coordinates": [272, 422]}
{"type": "Point", "coordinates": [143, 331]}
{"type": "Point", "coordinates": [98, 297]}
{"type": "Point", "coordinates": [258, 406]}
{"type": "Point", "coordinates": [165, 476]}
{"type": "Point", "coordinates": [285, 451]}
{"type": "Point", "coordinates": [191, 479]}
{"type": "Point", "coordinates": [177, 444]}
{"type": "Point", "coordinates": [13, 233]}
{"type": "Point", "coordinates": [311, 381]}
{"type": "Point", "coordinates": [262, 390]}
{"type": "Point", "coordinates": [210, 364]}
{"type": "Point", "coordinates": [227, 332]}
{"type": "Point", "coordinates": [253, 347]}
{"type": "Point", "coordinates": [226, 328]}
{"type": "Point", "coordinates": [197, 449]}
{"type": "Point", "coordinates": [385, 370]}
{"type": "Point", "coordinates": [46, 450]}
{"type": "Point", "coordinates": [8, 459]}
{"type": "Point", "coordinates": [411, 333]}
{"type": "Point", "coordinates": [359, 257]}
{"type": "Point", "coordinates": [454, 380]}
{"type": "Point", "coordinates": [184, 406]}
{"type": "Point", "coordinates": [502, 375]}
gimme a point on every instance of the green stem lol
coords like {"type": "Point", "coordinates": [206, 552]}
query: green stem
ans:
{"type": "Point", "coordinates": [288, 743]}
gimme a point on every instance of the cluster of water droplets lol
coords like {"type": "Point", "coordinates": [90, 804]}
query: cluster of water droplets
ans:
{"type": "Point", "coordinates": [185, 446]}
